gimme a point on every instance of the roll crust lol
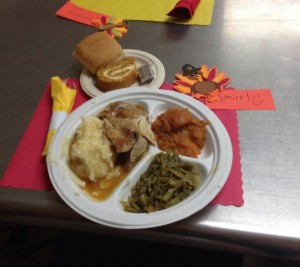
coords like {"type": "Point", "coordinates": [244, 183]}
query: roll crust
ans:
{"type": "Point", "coordinates": [98, 50]}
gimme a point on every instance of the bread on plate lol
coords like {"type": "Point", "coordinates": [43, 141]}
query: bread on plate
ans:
{"type": "Point", "coordinates": [120, 74]}
{"type": "Point", "coordinates": [98, 50]}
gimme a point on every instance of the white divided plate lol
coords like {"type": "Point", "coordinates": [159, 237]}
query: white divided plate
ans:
{"type": "Point", "coordinates": [215, 161]}
{"type": "Point", "coordinates": [88, 81]}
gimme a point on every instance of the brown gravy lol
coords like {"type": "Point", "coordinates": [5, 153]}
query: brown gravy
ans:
{"type": "Point", "coordinates": [102, 189]}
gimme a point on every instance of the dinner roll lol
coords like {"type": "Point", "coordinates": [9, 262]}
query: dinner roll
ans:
{"type": "Point", "coordinates": [97, 50]}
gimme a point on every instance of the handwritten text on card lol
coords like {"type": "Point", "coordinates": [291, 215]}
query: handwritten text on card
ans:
{"type": "Point", "coordinates": [244, 99]}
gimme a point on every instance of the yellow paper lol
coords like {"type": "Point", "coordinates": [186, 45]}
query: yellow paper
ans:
{"type": "Point", "coordinates": [63, 100]}
{"type": "Point", "coordinates": [48, 140]}
{"type": "Point", "coordinates": [63, 96]}
{"type": "Point", "coordinates": [147, 10]}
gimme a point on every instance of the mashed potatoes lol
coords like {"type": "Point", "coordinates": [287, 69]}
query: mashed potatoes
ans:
{"type": "Point", "coordinates": [91, 155]}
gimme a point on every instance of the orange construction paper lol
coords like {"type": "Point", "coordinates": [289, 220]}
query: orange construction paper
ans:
{"type": "Point", "coordinates": [79, 14]}
{"type": "Point", "coordinates": [244, 99]}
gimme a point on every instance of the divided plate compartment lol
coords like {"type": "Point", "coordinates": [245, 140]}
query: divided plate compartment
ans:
{"type": "Point", "coordinates": [214, 162]}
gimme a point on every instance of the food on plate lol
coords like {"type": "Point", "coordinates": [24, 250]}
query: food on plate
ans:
{"type": "Point", "coordinates": [145, 73]}
{"type": "Point", "coordinates": [97, 50]}
{"type": "Point", "coordinates": [119, 74]}
{"type": "Point", "coordinates": [91, 153]}
{"type": "Point", "coordinates": [127, 127]}
{"type": "Point", "coordinates": [167, 181]}
{"type": "Point", "coordinates": [177, 130]}
{"type": "Point", "coordinates": [107, 145]}
{"type": "Point", "coordinates": [104, 59]}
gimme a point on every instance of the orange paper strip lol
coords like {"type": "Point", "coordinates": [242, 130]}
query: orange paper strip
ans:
{"type": "Point", "coordinates": [241, 99]}
{"type": "Point", "coordinates": [76, 13]}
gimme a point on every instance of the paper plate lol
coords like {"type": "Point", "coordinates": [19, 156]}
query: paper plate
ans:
{"type": "Point", "coordinates": [88, 81]}
{"type": "Point", "coordinates": [215, 162]}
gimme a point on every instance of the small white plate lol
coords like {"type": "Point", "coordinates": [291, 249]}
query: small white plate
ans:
{"type": "Point", "coordinates": [89, 83]}
{"type": "Point", "coordinates": [215, 161]}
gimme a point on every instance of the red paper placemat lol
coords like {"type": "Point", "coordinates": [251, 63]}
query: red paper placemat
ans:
{"type": "Point", "coordinates": [27, 168]}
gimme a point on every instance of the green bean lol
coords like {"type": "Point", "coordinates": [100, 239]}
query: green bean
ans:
{"type": "Point", "coordinates": [167, 181]}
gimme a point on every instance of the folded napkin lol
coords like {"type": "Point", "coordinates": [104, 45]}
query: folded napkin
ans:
{"type": "Point", "coordinates": [184, 9]}
{"type": "Point", "coordinates": [63, 100]}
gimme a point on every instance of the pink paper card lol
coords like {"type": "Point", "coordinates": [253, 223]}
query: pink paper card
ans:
{"type": "Point", "coordinates": [78, 14]}
{"type": "Point", "coordinates": [241, 99]}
